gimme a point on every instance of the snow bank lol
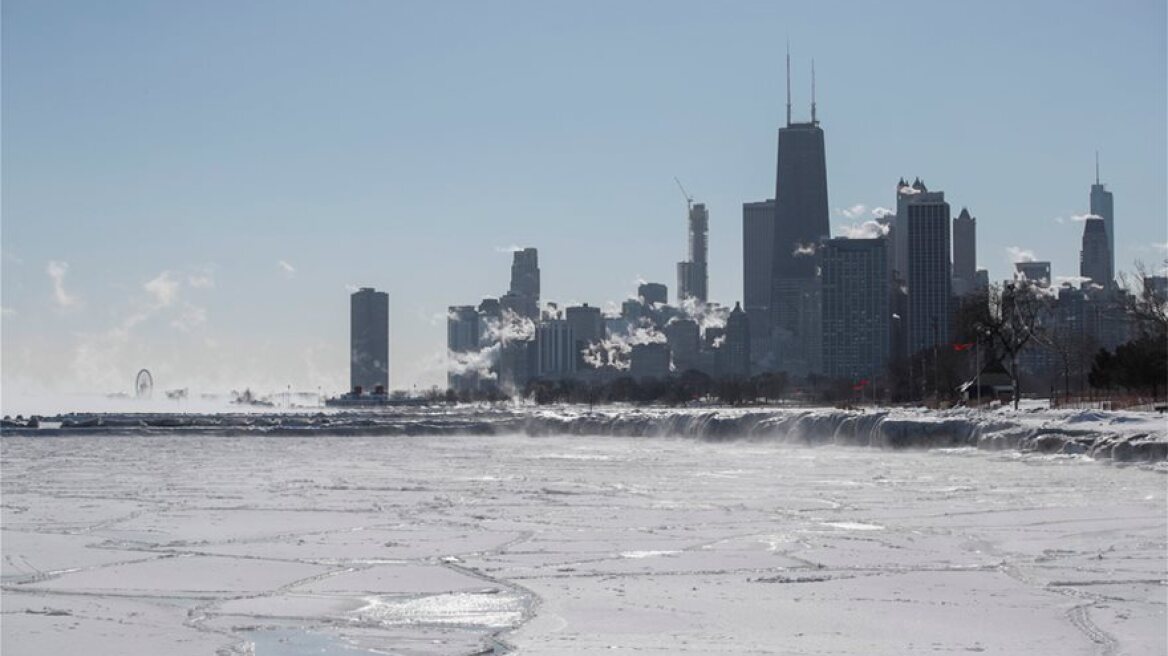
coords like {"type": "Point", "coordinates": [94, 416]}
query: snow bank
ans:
{"type": "Point", "coordinates": [1117, 435]}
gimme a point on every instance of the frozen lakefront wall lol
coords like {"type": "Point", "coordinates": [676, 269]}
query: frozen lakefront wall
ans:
{"type": "Point", "coordinates": [1119, 436]}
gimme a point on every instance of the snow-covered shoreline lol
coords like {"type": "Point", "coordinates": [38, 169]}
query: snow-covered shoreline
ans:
{"type": "Point", "coordinates": [1120, 436]}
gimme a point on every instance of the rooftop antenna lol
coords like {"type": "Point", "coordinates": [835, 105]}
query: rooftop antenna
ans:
{"type": "Point", "coordinates": [688, 198]}
{"type": "Point", "coordinates": [1096, 167]}
{"type": "Point", "coordinates": [788, 83]}
{"type": "Point", "coordinates": [813, 120]}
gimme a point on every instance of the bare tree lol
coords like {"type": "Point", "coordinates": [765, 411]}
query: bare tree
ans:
{"type": "Point", "coordinates": [1009, 317]}
{"type": "Point", "coordinates": [1144, 304]}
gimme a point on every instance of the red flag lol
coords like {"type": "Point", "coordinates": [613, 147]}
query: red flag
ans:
{"type": "Point", "coordinates": [963, 347]}
{"type": "Point", "coordinates": [860, 385]}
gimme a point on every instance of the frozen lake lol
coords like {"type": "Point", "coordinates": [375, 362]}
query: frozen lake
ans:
{"type": "Point", "coordinates": [196, 544]}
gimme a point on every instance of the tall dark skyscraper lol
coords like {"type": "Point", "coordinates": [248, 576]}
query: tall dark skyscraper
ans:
{"type": "Point", "coordinates": [801, 215]}
{"type": "Point", "coordinates": [964, 253]}
{"type": "Point", "coordinates": [758, 243]}
{"type": "Point", "coordinates": [929, 283]}
{"type": "Point", "coordinates": [693, 274]}
{"type": "Point", "coordinates": [856, 313]}
{"type": "Point", "coordinates": [801, 220]}
{"type": "Point", "coordinates": [1103, 206]}
{"type": "Point", "coordinates": [369, 340]}
{"type": "Point", "coordinates": [1095, 258]}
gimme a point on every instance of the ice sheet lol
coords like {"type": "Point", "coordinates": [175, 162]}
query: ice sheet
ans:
{"type": "Point", "coordinates": [562, 544]}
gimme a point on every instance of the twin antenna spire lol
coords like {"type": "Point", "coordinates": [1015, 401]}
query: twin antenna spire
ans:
{"type": "Point", "coordinates": [814, 120]}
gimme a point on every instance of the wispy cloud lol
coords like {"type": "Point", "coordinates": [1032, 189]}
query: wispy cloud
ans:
{"type": "Point", "coordinates": [862, 211]}
{"type": "Point", "coordinates": [1084, 216]}
{"type": "Point", "coordinates": [803, 250]}
{"type": "Point", "coordinates": [163, 289]}
{"type": "Point", "coordinates": [1018, 254]}
{"type": "Point", "coordinates": [854, 212]}
{"type": "Point", "coordinates": [57, 271]}
{"type": "Point", "coordinates": [202, 278]}
{"type": "Point", "coordinates": [190, 318]}
{"type": "Point", "coordinates": [288, 270]}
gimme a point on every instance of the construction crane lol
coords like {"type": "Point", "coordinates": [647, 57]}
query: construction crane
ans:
{"type": "Point", "coordinates": [688, 199]}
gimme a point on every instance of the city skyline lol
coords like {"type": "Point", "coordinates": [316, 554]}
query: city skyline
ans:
{"type": "Point", "coordinates": [56, 286]}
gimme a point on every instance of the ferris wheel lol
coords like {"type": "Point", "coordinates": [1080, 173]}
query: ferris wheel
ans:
{"type": "Point", "coordinates": [144, 384]}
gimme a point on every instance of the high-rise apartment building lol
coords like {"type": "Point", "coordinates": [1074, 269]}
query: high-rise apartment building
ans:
{"type": "Point", "coordinates": [929, 281]}
{"type": "Point", "coordinates": [758, 244]}
{"type": "Point", "coordinates": [856, 313]}
{"type": "Point", "coordinates": [369, 340]}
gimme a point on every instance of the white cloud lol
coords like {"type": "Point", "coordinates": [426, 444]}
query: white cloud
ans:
{"type": "Point", "coordinates": [803, 249]}
{"type": "Point", "coordinates": [8, 312]}
{"type": "Point", "coordinates": [1160, 245]}
{"type": "Point", "coordinates": [288, 270]}
{"type": "Point", "coordinates": [508, 249]}
{"type": "Point", "coordinates": [163, 288]}
{"type": "Point", "coordinates": [1084, 216]}
{"type": "Point", "coordinates": [853, 212]}
{"type": "Point", "coordinates": [865, 230]}
{"type": "Point", "coordinates": [1018, 254]}
{"type": "Point", "coordinates": [881, 212]}
{"type": "Point", "coordinates": [57, 271]}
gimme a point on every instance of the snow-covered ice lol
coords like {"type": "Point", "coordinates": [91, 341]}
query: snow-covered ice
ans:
{"type": "Point", "coordinates": [550, 543]}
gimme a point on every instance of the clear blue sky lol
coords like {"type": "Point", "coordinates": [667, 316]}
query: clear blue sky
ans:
{"type": "Point", "coordinates": [191, 186]}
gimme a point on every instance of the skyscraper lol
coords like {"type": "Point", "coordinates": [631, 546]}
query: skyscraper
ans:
{"type": "Point", "coordinates": [735, 350]}
{"type": "Point", "coordinates": [964, 253]}
{"type": "Point", "coordinates": [904, 193]}
{"type": "Point", "coordinates": [652, 293]}
{"type": "Point", "coordinates": [1103, 206]}
{"type": "Point", "coordinates": [929, 283]}
{"type": "Point", "coordinates": [758, 244]}
{"type": "Point", "coordinates": [801, 220]}
{"type": "Point", "coordinates": [692, 275]}
{"type": "Point", "coordinates": [462, 336]}
{"type": "Point", "coordinates": [555, 348]}
{"type": "Point", "coordinates": [369, 340]}
{"type": "Point", "coordinates": [587, 326]}
{"type": "Point", "coordinates": [1095, 258]}
{"type": "Point", "coordinates": [856, 314]}
{"type": "Point", "coordinates": [525, 281]}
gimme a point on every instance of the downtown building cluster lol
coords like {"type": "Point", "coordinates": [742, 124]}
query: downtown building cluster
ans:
{"type": "Point", "coordinates": [872, 311]}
